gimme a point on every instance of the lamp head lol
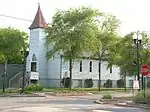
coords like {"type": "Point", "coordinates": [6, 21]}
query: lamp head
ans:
{"type": "Point", "coordinates": [140, 37]}
{"type": "Point", "coordinates": [134, 36]}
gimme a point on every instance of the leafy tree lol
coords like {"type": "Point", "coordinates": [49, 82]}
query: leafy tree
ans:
{"type": "Point", "coordinates": [108, 37]}
{"type": "Point", "coordinates": [126, 55]}
{"type": "Point", "coordinates": [12, 41]}
{"type": "Point", "coordinates": [73, 32]}
{"type": "Point", "coordinates": [1, 58]}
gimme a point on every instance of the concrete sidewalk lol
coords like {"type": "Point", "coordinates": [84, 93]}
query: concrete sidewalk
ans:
{"type": "Point", "coordinates": [99, 96]}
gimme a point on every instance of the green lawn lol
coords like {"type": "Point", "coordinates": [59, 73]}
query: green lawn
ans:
{"type": "Point", "coordinates": [83, 89]}
{"type": "Point", "coordinates": [93, 90]}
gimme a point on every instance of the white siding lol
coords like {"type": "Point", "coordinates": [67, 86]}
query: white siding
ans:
{"type": "Point", "coordinates": [42, 54]}
{"type": "Point", "coordinates": [54, 68]}
{"type": "Point", "coordinates": [105, 73]}
{"type": "Point", "coordinates": [36, 46]}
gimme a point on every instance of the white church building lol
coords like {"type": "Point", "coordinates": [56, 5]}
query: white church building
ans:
{"type": "Point", "coordinates": [49, 73]}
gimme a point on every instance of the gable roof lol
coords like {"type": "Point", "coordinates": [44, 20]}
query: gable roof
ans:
{"type": "Point", "coordinates": [39, 21]}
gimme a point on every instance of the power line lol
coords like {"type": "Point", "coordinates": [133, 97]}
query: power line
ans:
{"type": "Point", "coordinates": [15, 18]}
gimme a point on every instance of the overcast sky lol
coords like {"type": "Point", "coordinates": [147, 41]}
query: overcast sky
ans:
{"type": "Point", "coordinates": [134, 14]}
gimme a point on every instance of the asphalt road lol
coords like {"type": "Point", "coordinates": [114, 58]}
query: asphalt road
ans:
{"type": "Point", "coordinates": [57, 104]}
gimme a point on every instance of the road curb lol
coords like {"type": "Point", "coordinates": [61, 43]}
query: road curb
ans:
{"type": "Point", "coordinates": [133, 105]}
{"type": "Point", "coordinates": [22, 96]}
{"type": "Point", "coordinates": [123, 104]}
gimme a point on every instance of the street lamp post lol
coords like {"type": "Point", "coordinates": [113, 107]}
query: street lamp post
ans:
{"type": "Point", "coordinates": [137, 37]}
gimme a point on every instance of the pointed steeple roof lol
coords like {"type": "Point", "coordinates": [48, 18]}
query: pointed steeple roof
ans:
{"type": "Point", "coordinates": [39, 21]}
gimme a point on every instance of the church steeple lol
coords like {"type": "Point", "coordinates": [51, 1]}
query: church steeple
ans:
{"type": "Point", "coordinates": [39, 21]}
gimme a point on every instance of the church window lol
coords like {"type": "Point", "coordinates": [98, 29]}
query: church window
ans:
{"type": "Point", "coordinates": [80, 66]}
{"type": "Point", "coordinates": [34, 57]}
{"type": "Point", "coordinates": [110, 69]}
{"type": "Point", "coordinates": [34, 63]}
{"type": "Point", "coordinates": [33, 66]}
{"type": "Point", "coordinates": [90, 66]}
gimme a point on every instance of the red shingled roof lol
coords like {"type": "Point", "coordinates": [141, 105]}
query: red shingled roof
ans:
{"type": "Point", "coordinates": [39, 21]}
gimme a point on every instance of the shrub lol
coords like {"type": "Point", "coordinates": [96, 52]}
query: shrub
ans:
{"type": "Point", "coordinates": [88, 83]}
{"type": "Point", "coordinates": [120, 83]}
{"type": "Point", "coordinates": [66, 82]}
{"type": "Point", "coordinates": [34, 87]}
{"type": "Point", "coordinates": [107, 96]}
{"type": "Point", "coordinates": [28, 92]}
{"type": "Point", "coordinates": [108, 84]}
{"type": "Point", "coordinates": [147, 97]}
{"type": "Point", "coordinates": [139, 98]}
{"type": "Point", "coordinates": [148, 84]}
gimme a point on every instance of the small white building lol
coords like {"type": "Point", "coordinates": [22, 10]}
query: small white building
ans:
{"type": "Point", "coordinates": [49, 73]}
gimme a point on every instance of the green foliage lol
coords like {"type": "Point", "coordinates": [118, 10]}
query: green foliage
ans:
{"type": "Point", "coordinates": [108, 84]}
{"type": "Point", "coordinates": [88, 83]}
{"type": "Point", "coordinates": [72, 32]}
{"type": "Point", "coordinates": [139, 98]}
{"type": "Point", "coordinates": [12, 41]}
{"type": "Point", "coordinates": [107, 36]}
{"type": "Point", "coordinates": [125, 57]}
{"type": "Point", "coordinates": [66, 82]}
{"type": "Point", "coordinates": [84, 90]}
{"type": "Point", "coordinates": [34, 87]}
{"type": "Point", "coordinates": [120, 83]}
{"type": "Point", "coordinates": [107, 96]}
{"type": "Point", "coordinates": [28, 92]}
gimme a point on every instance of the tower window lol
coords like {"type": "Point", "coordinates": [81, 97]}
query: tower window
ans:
{"type": "Point", "coordinates": [34, 57]}
{"type": "Point", "coordinates": [90, 66]}
{"type": "Point", "coordinates": [33, 66]}
{"type": "Point", "coordinates": [80, 66]}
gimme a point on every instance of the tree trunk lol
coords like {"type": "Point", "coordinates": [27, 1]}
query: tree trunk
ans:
{"type": "Point", "coordinates": [144, 88]}
{"type": "Point", "coordinates": [99, 81]}
{"type": "Point", "coordinates": [142, 83]}
{"type": "Point", "coordinates": [4, 75]}
{"type": "Point", "coordinates": [125, 88]}
{"type": "Point", "coordinates": [70, 69]}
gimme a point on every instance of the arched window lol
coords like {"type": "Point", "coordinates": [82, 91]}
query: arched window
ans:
{"type": "Point", "coordinates": [33, 66]}
{"type": "Point", "coordinates": [34, 57]}
{"type": "Point", "coordinates": [90, 66]}
{"type": "Point", "coordinates": [110, 69]}
{"type": "Point", "coordinates": [34, 63]}
{"type": "Point", "coordinates": [81, 66]}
